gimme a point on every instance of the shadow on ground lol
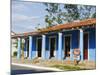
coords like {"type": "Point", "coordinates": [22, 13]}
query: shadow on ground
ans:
{"type": "Point", "coordinates": [22, 71]}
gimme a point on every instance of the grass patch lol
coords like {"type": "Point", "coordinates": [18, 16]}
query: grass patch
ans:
{"type": "Point", "coordinates": [67, 67]}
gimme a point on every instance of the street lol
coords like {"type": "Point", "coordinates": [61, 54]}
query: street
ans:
{"type": "Point", "coordinates": [24, 70]}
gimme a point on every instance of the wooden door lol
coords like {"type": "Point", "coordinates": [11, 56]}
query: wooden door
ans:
{"type": "Point", "coordinates": [27, 41]}
{"type": "Point", "coordinates": [67, 46]}
{"type": "Point", "coordinates": [85, 46]}
{"type": "Point", "coordinates": [52, 46]}
{"type": "Point", "coordinates": [39, 47]}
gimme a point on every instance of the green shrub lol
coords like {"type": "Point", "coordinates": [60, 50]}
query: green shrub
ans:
{"type": "Point", "coordinates": [15, 53]}
{"type": "Point", "coordinates": [66, 67]}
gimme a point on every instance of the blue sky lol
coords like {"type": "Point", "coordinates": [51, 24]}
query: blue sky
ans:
{"type": "Point", "coordinates": [27, 15]}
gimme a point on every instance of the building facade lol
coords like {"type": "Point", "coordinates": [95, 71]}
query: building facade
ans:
{"type": "Point", "coordinates": [60, 41]}
{"type": "Point", "coordinates": [13, 45]}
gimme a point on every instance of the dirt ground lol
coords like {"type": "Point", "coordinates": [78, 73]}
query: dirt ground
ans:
{"type": "Point", "coordinates": [88, 65]}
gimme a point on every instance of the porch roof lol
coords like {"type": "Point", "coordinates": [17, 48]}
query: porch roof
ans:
{"type": "Point", "coordinates": [70, 25]}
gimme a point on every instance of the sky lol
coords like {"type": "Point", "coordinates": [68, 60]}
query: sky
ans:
{"type": "Point", "coordinates": [27, 15]}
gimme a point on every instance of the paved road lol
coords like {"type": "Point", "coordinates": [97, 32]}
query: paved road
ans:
{"type": "Point", "coordinates": [24, 70]}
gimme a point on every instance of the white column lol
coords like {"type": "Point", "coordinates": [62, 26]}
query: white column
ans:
{"type": "Point", "coordinates": [59, 46]}
{"type": "Point", "coordinates": [43, 46]}
{"type": "Point", "coordinates": [81, 44]}
{"type": "Point", "coordinates": [30, 47]}
{"type": "Point", "coordinates": [19, 49]}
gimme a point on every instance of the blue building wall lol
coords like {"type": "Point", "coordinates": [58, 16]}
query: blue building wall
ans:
{"type": "Point", "coordinates": [34, 47]}
{"type": "Point", "coordinates": [73, 40]}
{"type": "Point", "coordinates": [48, 44]}
{"type": "Point", "coordinates": [74, 43]}
{"type": "Point", "coordinates": [47, 53]}
{"type": "Point", "coordinates": [92, 45]}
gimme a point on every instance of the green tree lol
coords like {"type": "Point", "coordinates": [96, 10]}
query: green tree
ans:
{"type": "Point", "coordinates": [54, 16]}
{"type": "Point", "coordinates": [87, 11]}
{"type": "Point", "coordinates": [58, 13]}
{"type": "Point", "coordinates": [72, 12]}
{"type": "Point", "coordinates": [94, 15]}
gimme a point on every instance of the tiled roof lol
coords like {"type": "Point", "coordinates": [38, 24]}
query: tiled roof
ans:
{"type": "Point", "coordinates": [69, 25]}
{"type": "Point", "coordinates": [83, 23]}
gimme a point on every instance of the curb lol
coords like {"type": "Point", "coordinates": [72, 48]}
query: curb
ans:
{"type": "Point", "coordinates": [37, 67]}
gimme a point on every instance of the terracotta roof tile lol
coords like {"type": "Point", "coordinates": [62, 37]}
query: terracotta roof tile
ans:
{"type": "Point", "coordinates": [69, 25]}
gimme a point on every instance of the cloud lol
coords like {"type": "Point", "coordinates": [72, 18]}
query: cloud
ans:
{"type": "Point", "coordinates": [20, 17]}
{"type": "Point", "coordinates": [26, 16]}
{"type": "Point", "coordinates": [20, 7]}
{"type": "Point", "coordinates": [24, 22]}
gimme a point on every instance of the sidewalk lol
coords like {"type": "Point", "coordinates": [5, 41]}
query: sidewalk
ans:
{"type": "Point", "coordinates": [37, 67]}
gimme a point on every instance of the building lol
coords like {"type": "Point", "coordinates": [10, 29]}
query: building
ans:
{"type": "Point", "coordinates": [60, 41]}
{"type": "Point", "coordinates": [13, 45]}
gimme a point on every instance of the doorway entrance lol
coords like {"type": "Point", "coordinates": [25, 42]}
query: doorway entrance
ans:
{"type": "Point", "coordinates": [66, 47]}
{"type": "Point", "coordinates": [85, 46]}
{"type": "Point", "coordinates": [27, 47]}
{"type": "Point", "coordinates": [39, 47]}
{"type": "Point", "coordinates": [52, 46]}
